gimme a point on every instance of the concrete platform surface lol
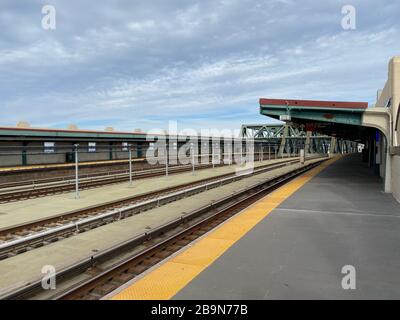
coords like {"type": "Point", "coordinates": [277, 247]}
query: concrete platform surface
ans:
{"type": "Point", "coordinates": [23, 268]}
{"type": "Point", "coordinates": [340, 217]}
{"type": "Point", "coordinates": [15, 213]}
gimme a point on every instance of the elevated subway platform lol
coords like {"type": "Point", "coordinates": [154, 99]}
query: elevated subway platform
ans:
{"type": "Point", "coordinates": [297, 251]}
{"type": "Point", "coordinates": [24, 268]}
{"type": "Point", "coordinates": [16, 213]}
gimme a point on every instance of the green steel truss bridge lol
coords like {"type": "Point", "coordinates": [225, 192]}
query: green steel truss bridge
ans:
{"type": "Point", "coordinates": [288, 138]}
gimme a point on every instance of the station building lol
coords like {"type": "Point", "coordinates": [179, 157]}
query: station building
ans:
{"type": "Point", "coordinates": [31, 146]}
{"type": "Point", "coordinates": [27, 146]}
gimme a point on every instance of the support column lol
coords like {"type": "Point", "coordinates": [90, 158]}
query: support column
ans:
{"type": "Point", "coordinates": [24, 156]}
{"type": "Point", "coordinates": [388, 170]}
{"type": "Point", "coordinates": [283, 140]}
{"type": "Point", "coordinates": [376, 157]}
{"type": "Point", "coordinates": [110, 151]}
{"type": "Point", "coordinates": [307, 143]}
{"type": "Point", "coordinates": [332, 145]}
{"type": "Point", "coordinates": [371, 153]}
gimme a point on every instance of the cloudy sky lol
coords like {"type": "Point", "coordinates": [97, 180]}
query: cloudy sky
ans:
{"type": "Point", "coordinates": [138, 64]}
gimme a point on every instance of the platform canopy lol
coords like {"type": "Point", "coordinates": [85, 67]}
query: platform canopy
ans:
{"type": "Point", "coordinates": [331, 117]}
{"type": "Point", "coordinates": [327, 111]}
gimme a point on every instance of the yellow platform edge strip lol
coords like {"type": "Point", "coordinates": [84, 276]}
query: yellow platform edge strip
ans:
{"type": "Point", "coordinates": [174, 274]}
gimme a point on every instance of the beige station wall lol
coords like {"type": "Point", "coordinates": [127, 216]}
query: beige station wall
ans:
{"type": "Point", "coordinates": [393, 84]}
{"type": "Point", "coordinates": [385, 95]}
{"type": "Point", "coordinates": [389, 100]}
{"type": "Point", "coordinates": [396, 177]}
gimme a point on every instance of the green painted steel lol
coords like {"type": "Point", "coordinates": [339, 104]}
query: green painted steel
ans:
{"type": "Point", "coordinates": [344, 116]}
{"type": "Point", "coordinates": [139, 150]}
{"type": "Point", "coordinates": [70, 157]}
{"type": "Point", "coordinates": [110, 153]}
{"type": "Point", "coordinates": [298, 107]}
{"type": "Point", "coordinates": [269, 132]}
{"type": "Point", "coordinates": [23, 154]}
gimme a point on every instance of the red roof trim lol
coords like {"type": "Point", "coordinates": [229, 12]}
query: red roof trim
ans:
{"type": "Point", "coordinates": [315, 103]}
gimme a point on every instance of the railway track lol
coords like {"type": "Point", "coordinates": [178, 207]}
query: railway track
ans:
{"type": "Point", "coordinates": [18, 192]}
{"type": "Point", "coordinates": [159, 243]}
{"type": "Point", "coordinates": [64, 178]}
{"type": "Point", "coordinates": [28, 236]}
{"type": "Point", "coordinates": [102, 174]}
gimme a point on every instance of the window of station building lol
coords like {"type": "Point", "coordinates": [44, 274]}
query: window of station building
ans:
{"type": "Point", "coordinates": [125, 146]}
{"type": "Point", "coordinates": [49, 147]}
{"type": "Point", "coordinates": [91, 146]}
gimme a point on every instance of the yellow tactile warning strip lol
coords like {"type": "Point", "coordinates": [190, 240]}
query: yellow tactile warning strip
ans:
{"type": "Point", "coordinates": [170, 277]}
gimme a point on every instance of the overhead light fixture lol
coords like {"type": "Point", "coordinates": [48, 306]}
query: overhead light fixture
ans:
{"type": "Point", "coordinates": [285, 117]}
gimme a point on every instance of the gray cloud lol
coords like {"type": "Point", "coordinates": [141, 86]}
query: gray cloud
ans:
{"type": "Point", "coordinates": [205, 63]}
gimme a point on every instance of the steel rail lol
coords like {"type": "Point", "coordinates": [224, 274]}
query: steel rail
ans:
{"type": "Point", "coordinates": [217, 208]}
{"type": "Point", "coordinates": [22, 244]}
{"type": "Point", "coordinates": [67, 178]}
{"type": "Point", "coordinates": [57, 188]}
{"type": "Point", "coordinates": [64, 178]}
